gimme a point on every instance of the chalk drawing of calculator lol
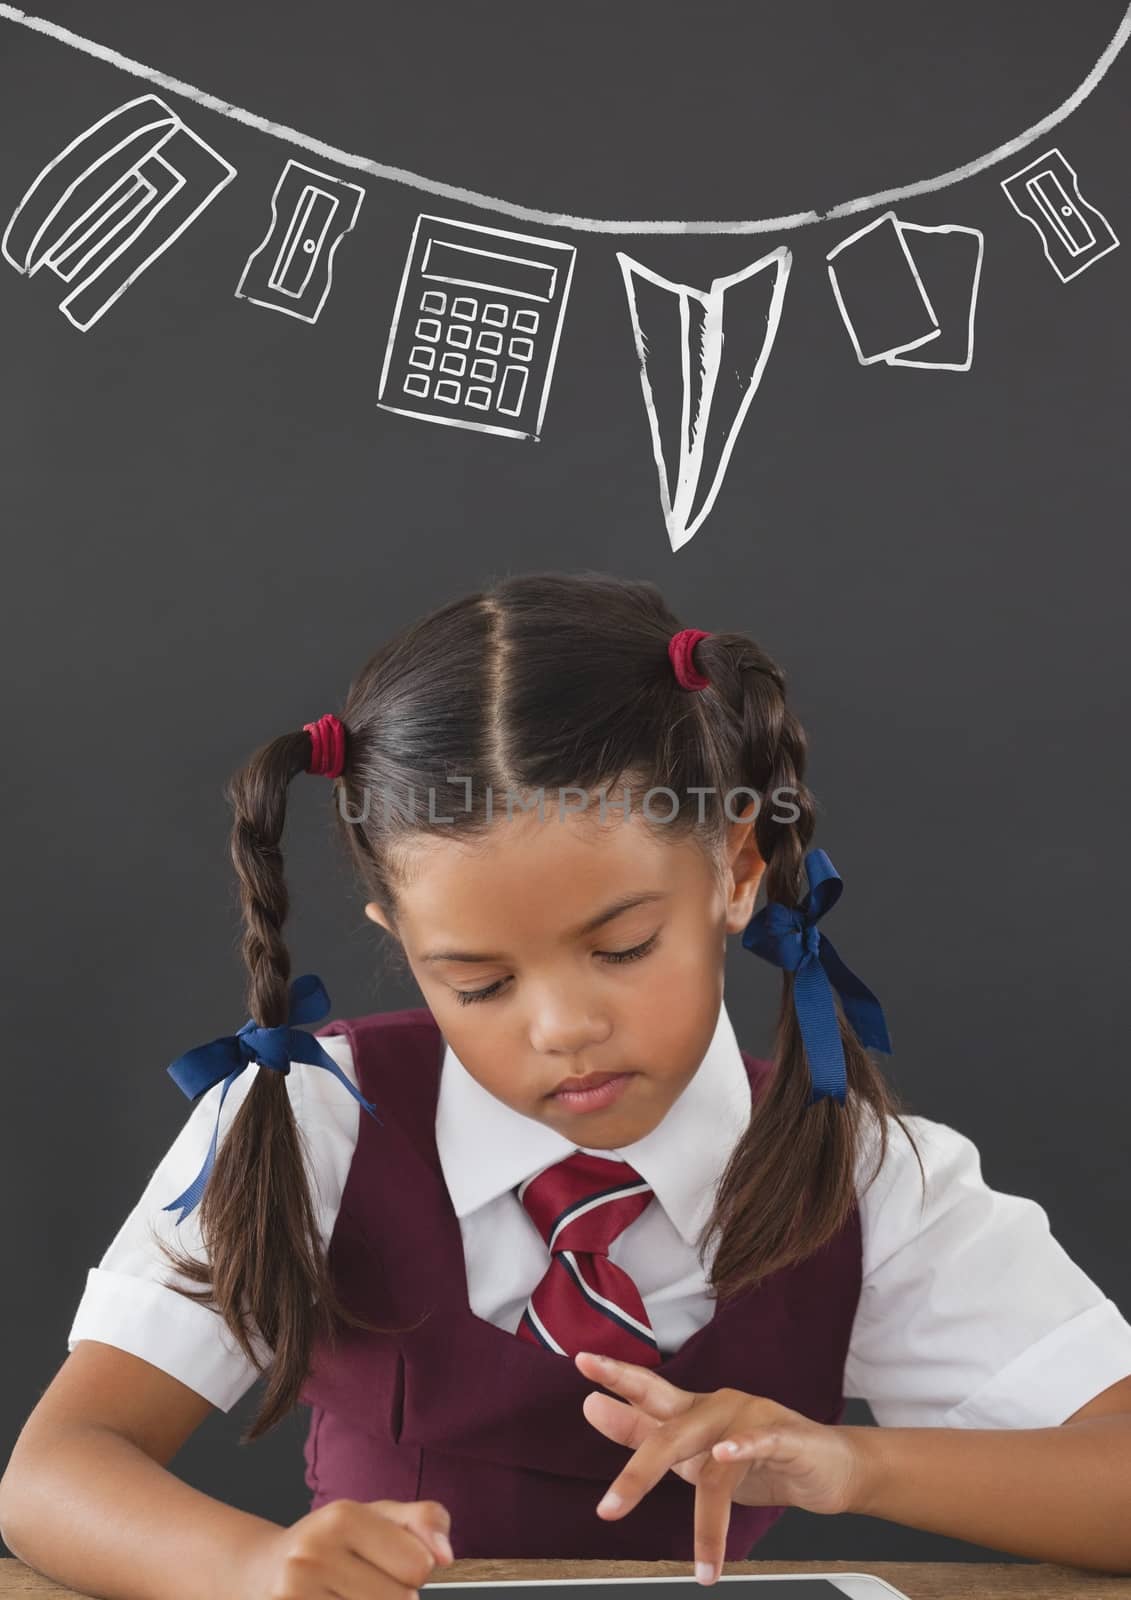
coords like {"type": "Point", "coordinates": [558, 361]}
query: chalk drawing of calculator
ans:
{"type": "Point", "coordinates": [475, 331]}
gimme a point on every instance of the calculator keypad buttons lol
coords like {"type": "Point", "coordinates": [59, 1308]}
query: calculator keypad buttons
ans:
{"type": "Point", "coordinates": [511, 387]}
{"type": "Point", "coordinates": [511, 390]}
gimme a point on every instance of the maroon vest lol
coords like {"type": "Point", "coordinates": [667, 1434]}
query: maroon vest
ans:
{"type": "Point", "coordinates": [450, 1407]}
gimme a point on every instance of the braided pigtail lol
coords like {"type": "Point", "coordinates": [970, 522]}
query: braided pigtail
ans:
{"type": "Point", "coordinates": [264, 1265]}
{"type": "Point", "coordinates": [790, 1183]}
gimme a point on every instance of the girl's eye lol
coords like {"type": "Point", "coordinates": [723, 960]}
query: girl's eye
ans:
{"type": "Point", "coordinates": [466, 996]}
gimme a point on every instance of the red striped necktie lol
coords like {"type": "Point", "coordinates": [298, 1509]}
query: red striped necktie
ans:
{"type": "Point", "coordinates": [585, 1301]}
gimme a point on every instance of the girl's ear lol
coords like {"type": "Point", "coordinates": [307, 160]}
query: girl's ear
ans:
{"type": "Point", "coordinates": [746, 868]}
{"type": "Point", "coordinates": [374, 913]}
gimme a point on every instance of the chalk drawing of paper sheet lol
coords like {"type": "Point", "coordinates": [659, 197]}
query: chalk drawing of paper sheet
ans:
{"type": "Point", "coordinates": [907, 293]}
{"type": "Point", "coordinates": [1073, 233]}
{"type": "Point", "coordinates": [948, 259]}
{"type": "Point", "coordinates": [702, 354]}
{"type": "Point", "coordinates": [291, 270]}
{"type": "Point", "coordinates": [114, 200]}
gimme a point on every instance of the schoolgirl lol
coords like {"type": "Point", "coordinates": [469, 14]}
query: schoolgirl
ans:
{"type": "Point", "coordinates": [429, 1224]}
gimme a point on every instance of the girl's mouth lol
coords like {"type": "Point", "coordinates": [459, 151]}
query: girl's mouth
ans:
{"type": "Point", "coordinates": [593, 1099]}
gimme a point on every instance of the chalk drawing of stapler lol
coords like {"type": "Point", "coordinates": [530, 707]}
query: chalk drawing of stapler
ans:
{"type": "Point", "coordinates": [113, 201]}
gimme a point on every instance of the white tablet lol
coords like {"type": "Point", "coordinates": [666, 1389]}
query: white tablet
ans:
{"type": "Point", "coordinates": [791, 1586]}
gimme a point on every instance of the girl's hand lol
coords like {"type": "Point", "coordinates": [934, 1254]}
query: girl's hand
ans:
{"type": "Point", "coordinates": [357, 1550]}
{"type": "Point", "coordinates": [783, 1458]}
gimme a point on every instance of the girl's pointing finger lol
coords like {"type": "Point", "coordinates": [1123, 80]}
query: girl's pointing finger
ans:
{"type": "Point", "coordinates": [714, 1494]}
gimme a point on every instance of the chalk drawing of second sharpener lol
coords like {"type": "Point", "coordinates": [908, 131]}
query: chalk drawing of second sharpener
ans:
{"type": "Point", "coordinates": [1073, 233]}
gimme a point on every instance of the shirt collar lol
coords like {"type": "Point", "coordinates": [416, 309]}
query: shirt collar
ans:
{"type": "Point", "coordinates": [485, 1147]}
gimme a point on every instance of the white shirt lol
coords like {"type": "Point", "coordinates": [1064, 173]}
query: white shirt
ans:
{"type": "Point", "coordinates": [970, 1312]}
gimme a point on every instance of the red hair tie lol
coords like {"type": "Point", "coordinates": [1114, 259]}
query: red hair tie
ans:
{"type": "Point", "coordinates": [327, 746]}
{"type": "Point", "coordinates": [680, 646]}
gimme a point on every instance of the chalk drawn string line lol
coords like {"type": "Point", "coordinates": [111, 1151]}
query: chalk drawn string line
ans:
{"type": "Point", "coordinates": [559, 219]}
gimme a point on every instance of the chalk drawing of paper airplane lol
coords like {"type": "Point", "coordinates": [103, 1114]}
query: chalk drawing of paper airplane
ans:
{"type": "Point", "coordinates": [702, 355]}
{"type": "Point", "coordinates": [908, 293]}
{"type": "Point", "coordinates": [114, 200]}
{"type": "Point", "coordinates": [291, 270]}
{"type": "Point", "coordinates": [1073, 233]}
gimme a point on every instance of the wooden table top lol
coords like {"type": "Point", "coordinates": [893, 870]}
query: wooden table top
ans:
{"type": "Point", "coordinates": [924, 1580]}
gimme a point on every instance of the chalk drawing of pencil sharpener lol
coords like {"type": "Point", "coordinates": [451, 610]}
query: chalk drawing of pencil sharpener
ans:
{"type": "Point", "coordinates": [291, 270]}
{"type": "Point", "coordinates": [1073, 233]}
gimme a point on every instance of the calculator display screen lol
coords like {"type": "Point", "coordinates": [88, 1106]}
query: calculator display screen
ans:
{"type": "Point", "coordinates": [488, 269]}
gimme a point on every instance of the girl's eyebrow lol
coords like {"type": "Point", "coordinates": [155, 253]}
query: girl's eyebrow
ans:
{"type": "Point", "coordinates": [625, 903]}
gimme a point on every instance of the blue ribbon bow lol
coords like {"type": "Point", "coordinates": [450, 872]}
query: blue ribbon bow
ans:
{"type": "Point", "coordinates": [198, 1070]}
{"type": "Point", "coordinates": [789, 937]}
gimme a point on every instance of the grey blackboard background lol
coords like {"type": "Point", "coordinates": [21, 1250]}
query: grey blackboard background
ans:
{"type": "Point", "coordinates": [209, 525]}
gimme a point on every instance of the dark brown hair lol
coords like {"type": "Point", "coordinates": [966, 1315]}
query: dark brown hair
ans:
{"type": "Point", "coordinates": [543, 681]}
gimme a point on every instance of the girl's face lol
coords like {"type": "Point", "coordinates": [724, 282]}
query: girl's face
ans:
{"type": "Point", "coordinates": [527, 992]}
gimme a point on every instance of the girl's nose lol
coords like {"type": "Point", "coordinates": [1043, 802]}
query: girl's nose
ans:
{"type": "Point", "coordinates": [557, 1029]}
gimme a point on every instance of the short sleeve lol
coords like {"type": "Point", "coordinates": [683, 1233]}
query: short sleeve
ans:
{"type": "Point", "coordinates": [126, 1301]}
{"type": "Point", "coordinates": [971, 1315]}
